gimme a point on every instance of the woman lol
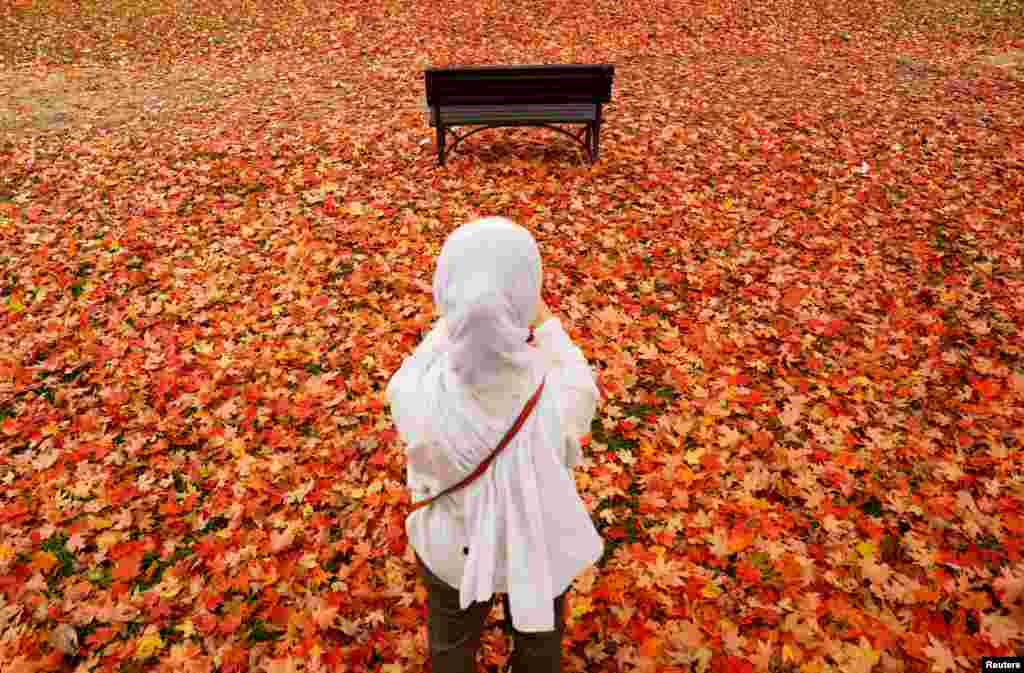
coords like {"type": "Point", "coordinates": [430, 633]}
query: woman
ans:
{"type": "Point", "coordinates": [520, 529]}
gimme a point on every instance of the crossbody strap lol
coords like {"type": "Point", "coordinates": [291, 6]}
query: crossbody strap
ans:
{"type": "Point", "coordinates": [523, 415]}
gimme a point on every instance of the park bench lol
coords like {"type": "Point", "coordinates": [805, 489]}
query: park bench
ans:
{"type": "Point", "coordinates": [519, 95]}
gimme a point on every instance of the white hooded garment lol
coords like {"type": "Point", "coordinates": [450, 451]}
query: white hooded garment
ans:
{"type": "Point", "coordinates": [527, 531]}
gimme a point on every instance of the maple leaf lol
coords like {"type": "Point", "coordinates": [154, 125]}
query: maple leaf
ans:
{"type": "Point", "coordinates": [325, 616]}
{"type": "Point", "coordinates": [284, 665]}
{"type": "Point", "coordinates": [128, 567]}
{"type": "Point", "coordinates": [1009, 585]}
{"type": "Point", "coordinates": [45, 562]}
{"type": "Point", "coordinates": [793, 410]}
{"type": "Point", "coordinates": [748, 572]}
{"type": "Point", "coordinates": [729, 437]}
{"type": "Point", "coordinates": [942, 659]}
{"type": "Point", "coordinates": [686, 635]}
{"type": "Point", "coordinates": [280, 540]}
{"type": "Point", "coordinates": [149, 645]}
{"type": "Point", "coordinates": [792, 298]}
{"type": "Point", "coordinates": [1000, 631]}
{"type": "Point", "coordinates": [761, 660]}
{"type": "Point", "coordinates": [185, 657]}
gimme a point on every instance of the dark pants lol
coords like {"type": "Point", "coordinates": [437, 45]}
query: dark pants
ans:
{"type": "Point", "coordinates": [454, 635]}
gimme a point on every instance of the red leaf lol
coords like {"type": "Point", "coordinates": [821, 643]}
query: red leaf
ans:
{"type": "Point", "coordinates": [737, 665]}
{"type": "Point", "coordinates": [615, 532]}
{"type": "Point", "coordinates": [748, 572]}
{"type": "Point", "coordinates": [128, 567]}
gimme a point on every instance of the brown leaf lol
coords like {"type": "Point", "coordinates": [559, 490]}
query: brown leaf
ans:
{"type": "Point", "coordinates": [64, 638]}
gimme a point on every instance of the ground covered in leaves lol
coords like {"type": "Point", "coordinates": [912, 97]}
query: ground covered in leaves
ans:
{"type": "Point", "coordinates": [797, 268]}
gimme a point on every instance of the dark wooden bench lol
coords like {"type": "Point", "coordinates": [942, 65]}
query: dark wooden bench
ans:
{"type": "Point", "coordinates": [519, 95]}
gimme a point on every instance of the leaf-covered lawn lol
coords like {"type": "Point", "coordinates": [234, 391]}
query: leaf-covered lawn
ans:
{"type": "Point", "coordinates": [797, 268]}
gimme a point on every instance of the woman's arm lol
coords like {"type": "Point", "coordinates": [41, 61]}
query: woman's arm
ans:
{"type": "Point", "coordinates": [404, 398]}
{"type": "Point", "coordinates": [578, 391]}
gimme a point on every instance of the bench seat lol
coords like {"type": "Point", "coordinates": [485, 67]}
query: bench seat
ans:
{"type": "Point", "coordinates": [460, 115]}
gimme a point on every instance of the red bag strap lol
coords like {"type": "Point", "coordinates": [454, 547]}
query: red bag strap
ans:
{"type": "Point", "coordinates": [523, 415]}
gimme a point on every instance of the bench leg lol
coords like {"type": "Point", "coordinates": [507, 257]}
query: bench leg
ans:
{"type": "Point", "coordinates": [440, 145]}
{"type": "Point", "coordinates": [595, 146]}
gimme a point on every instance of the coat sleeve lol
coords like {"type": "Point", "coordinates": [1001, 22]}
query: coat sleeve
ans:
{"type": "Point", "coordinates": [404, 395]}
{"type": "Point", "coordinates": [577, 388]}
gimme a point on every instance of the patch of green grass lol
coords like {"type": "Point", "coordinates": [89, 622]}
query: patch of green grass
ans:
{"type": "Point", "coordinates": [640, 410]}
{"type": "Point", "coordinates": [102, 575]}
{"type": "Point", "coordinates": [215, 524]}
{"type": "Point", "coordinates": [872, 507]}
{"type": "Point", "coordinates": [260, 632]}
{"type": "Point", "coordinates": [56, 545]}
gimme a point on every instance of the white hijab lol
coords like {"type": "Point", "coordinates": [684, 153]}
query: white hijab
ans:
{"type": "Point", "coordinates": [487, 287]}
{"type": "Point", "coordinates": [524, 519]}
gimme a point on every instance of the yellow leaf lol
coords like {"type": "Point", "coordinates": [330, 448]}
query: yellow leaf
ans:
{"type": "Point", "coordinates": [867, 549]}
{"type": "Point", "coordinates": [580, 607]}
{"type": "Point", "coordinates": [101, 523]}
{"type": "Point", "coordinates": [237, 447]}
{"type": "Point", "coordinates": [108, 540]}
{"type": "Point", "coordinates": [356, 208]}
{"type": "Point", "coordinates": [788, 654]}
{"type": "Point", "coordinates": [149, 644]}
{"type": "Point", "coordinates": [703, 657]}
{"type": "Point", "coordinates": [15, 306]}
{"type": "Point", "coordinates": [727, 204]}
{"type": "Point", "coordinates": [683, 474]}
{"type": "Point", "coordinates": [711, 590]}
{"type": "Point", "coordinates": [868, 654]}
{"type": "Point", "coordinates": [693, 457]}
{"type": "Point", "coordinates": [813, 666]}
{"type": "Point", "coordinates": [170, 590]}
{"type": "Point", "coordinates": [860, 380]}
{"type": "Point", "coordinates": [187, 628]}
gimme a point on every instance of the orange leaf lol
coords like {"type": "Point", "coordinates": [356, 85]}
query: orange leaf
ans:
{"type": "Point", "coordinates": [128, 567]}
{"type": "Point", "coordinates": [793, 296]}
{"type": "Point", "coordinates": [44, 561]}
{"type": "Point", "coordinates": [987, 388]}
{"type": "Point", "coordinates": [739, 541]}
{"type": "Point", "coordinates": [651, 647]}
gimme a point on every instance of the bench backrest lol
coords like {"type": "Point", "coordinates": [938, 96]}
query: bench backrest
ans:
{"type": "Point", "coordinates": [519, 84]}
